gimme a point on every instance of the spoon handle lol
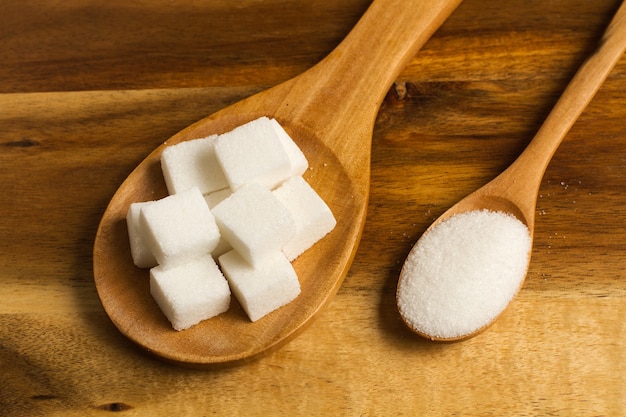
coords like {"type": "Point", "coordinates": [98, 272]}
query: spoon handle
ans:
{"type": "Point", "coordinates": [343, 92]}
{"type": "Point", "coordinates": [382, 43]}
{"type": "Point", "coordinates": [533, 162]}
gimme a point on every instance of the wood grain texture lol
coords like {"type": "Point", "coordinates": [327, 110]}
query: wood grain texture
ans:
{"type": "Point", "coordinates": [516, 189]}
{"type": "Point", "coordinates": [330, 112]}
{"type": "Point", "coordinates": [89, 89]}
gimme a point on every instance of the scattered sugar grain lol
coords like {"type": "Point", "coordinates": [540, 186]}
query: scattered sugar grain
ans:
{"type": "Point", "coordinates": [193, 163]}
{"type": "Point", "coordinates": [312, 216]}
{"type": "Point", "coordinates": [180, 227]}
{"type": "Point", "coordinates": [190, 293]}
{"type": "Point", "coordinates": [463, 273]}
{"type": "Point", "coordinates": [139, 248]}
{"type": "Point", "coordinates": [262, 289]}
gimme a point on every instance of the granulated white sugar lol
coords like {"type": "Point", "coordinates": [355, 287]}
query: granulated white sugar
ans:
{"type": "Point", "coordinates": [463, 273]}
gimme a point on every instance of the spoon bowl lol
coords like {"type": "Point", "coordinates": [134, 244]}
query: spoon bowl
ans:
{"type": "Point", "coordinates": [124, 289]}
{"type": "Point", "coordinates": [330, 112]}
{"type": "Point", "coordinates": [515, 191]}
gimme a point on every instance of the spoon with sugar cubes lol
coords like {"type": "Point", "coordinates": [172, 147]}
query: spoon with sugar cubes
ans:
{"type": "Point", "coordinates": [328, 113]}
{"type": "Point", "coordinates": [471, 262]}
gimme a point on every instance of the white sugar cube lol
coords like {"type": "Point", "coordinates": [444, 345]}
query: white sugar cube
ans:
{"type": "Point", "coordinates": [313, 217]}
{"type": "Point", "coordinates": [253, 153]}
{"type": "Point", "coordinates": [139, 249]}
{"type": "Point", "coordinates": [192, 163]}
{"type": "Point", "coordinates": [255, 222]}
{"type": "Point", "coordinates": [179, 227]}
{"type": "Point", "coordinates": [298, 161]}
{"type": "Point", "coordinates": [191, 292]}
{"type": "Point", "coordinates": [263, 289]}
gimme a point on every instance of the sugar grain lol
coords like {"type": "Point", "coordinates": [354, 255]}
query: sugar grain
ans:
{"type": "Point", "coordinates": [463, 273]}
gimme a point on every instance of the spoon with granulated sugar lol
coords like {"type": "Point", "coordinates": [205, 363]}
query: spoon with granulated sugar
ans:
{"type": "Point", "coordinates": [471, 262]}
{"type": "Point", "coordinates": [330, 112]}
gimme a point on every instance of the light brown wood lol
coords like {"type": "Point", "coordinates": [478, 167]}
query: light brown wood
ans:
{"type": "Point", "coordinates": [515, 191]}
{"type": "Point", "coordinates": [89, 88]}
{"type": "Point", "coordinates": [330, 112]}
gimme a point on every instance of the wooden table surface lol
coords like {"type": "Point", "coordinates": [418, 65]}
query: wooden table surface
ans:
{"type": "Point", "coordinates": [89, 88]}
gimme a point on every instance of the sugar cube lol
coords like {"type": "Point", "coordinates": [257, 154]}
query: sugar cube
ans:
{"type": "Point", "coordinates": [139, 249]}
{"type": "Point", "coordinates": [221, 206]}
{"type": "Point", "coordinates": [255, 222]}
{"type": "Point", "coordinates": [298, 161]}
{"type": "Point", "coordinates": [192, 163]}
{"type": "Point", "coordinates": [260, 290]}
{"type": "Point", "coordinates": [313, 217]}
{"type": "Point", "coordinates": [179, 227]}
{"type": "Point", "coordinates": [253, 152]}
{"type": "Point", "coordinates": [190, 293]}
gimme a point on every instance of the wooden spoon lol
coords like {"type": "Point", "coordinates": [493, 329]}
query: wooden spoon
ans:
{"type": "Point", "coordinates": [330, 112]}
{"type": "Point", "coordinates": [515, 190]}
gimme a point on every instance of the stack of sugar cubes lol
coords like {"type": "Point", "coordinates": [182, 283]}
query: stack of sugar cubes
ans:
{"type": "Point", "coordinates": [238, 212]}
